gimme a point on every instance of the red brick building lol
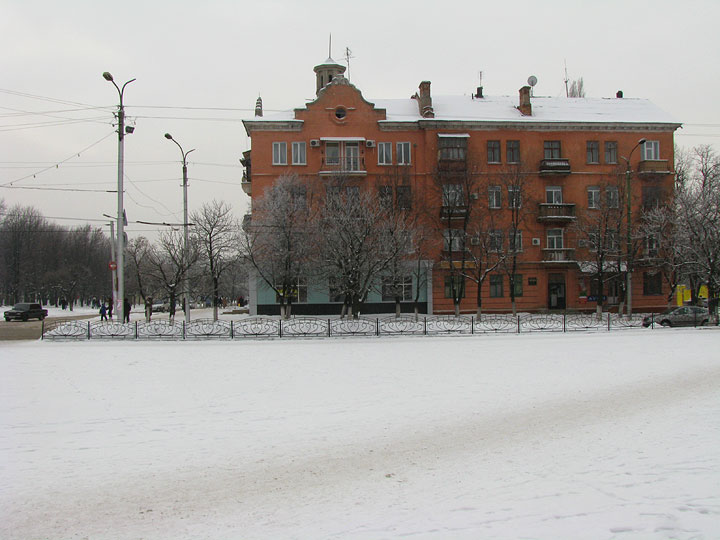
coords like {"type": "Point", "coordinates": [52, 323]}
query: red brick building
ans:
{"type": "Point", "coordinates": [570, 158]}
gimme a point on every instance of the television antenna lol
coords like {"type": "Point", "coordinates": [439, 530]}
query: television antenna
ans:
{"type": "Point", "coordinates": [348, 56]}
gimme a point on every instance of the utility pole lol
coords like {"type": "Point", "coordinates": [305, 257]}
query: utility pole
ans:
{"type": "Point", "coordinates": [628, 240]}
{"type": "Point", "coordinates": [119, 304]}
{"type": "Point", "coordinates": [186, 258]}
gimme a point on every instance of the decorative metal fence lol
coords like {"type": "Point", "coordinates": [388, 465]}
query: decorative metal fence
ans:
{"type": "Point", "coordinates": [403, 325]}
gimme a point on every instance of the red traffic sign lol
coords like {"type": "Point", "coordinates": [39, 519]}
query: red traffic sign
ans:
{"type": "Point", "coordinates": [112, 265]}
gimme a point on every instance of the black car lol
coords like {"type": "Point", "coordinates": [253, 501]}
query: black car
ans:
{"type": "Point", "coordinates": [679, 316]}
{"type": "Point", "coordinates": [23, 312]}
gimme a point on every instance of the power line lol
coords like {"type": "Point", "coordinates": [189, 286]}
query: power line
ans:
{"type": "Point", "coordinates": [38, 188]}
{"type": "Point", "coordinates": [75, 154]}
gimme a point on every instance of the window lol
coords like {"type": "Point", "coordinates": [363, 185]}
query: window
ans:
{"type": "Point", "coordinates": [385, 195]}
{"type": "Point", "coordinates": [593, 197]}
{"type": "Point", "coordinates": [652, 283]}
{"type": "Point", "coordinates": [612, 196]}
{"type": "Point", "coordinates": [651, 245]}
{"type": "Point", "coordinates": [297, 293]}
{"type": "Point", "coordinates": [401, 287]}
{"type": "Point", "coordinates": [593, 152]}
{"type": "Point", "coordinates": [651, 151]}
{"type": "Point", "coordinates": [555, 238]}
{"type": "Point", "coordinates": [332, 153]}
{"type": "Point", "coordinates": [352, 157]}
{"type": "Point", "coordinates": [610, 151]}
{"type": "Point", "coordinates": [496, 286]}
{"type": "Point", "coordinates": [453, 240]}
{"type": "Point", "coordinates": [403, 195]}
{"type": "Point", "coordinates": [652, 196]}
{"type": "Point", "coordinates": [451, 148]}
{"type": "Point", "coordinates": [517, 285]}
{"type": "Point", "coordinates": [514, 197]}
{"type": "Point", "coordinates": [495, 197]}
{"type": "Point", "coordinates": [452, 195]}
{"type": "Point", "coordinates": [552, 149]}
{"type": "Point", "coordinates": [403, 153]}
{"type": "Point", "coordinates": [454, 284]}
{"type": "Point", "coordinates": [593, 240]}
{"type": "Point", "coordinates": [493, 151]}
{"type": "Point", "coordinates": [553, 194]}
{"type": "Point", "coordinates": [384, 150]}
{"type": "Point", "coordinates": [279, 153]}
{"type": "Point", "coordinates": [512, 151]}
{"type": "Point", "coordinates": [515, 241]}
{"type": "Point", "coordinates": [495, 242]}
{"type": "Point", "coordinates": [298, 153]}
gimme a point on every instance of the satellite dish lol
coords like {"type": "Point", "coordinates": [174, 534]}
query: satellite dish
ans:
{"type": "Point", "coordinates": [532, 80]}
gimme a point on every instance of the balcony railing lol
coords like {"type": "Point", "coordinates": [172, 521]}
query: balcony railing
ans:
{"type": "Point", "coordinates": [555, 166]}
{"type": "Point", "coordinates": [562, 212]}
{"type": "Point", "coordinates": [558, 255]}
{"type": "Point", "coordinates": [345, 165]}
{"type": "Point", "coordinates": [453, 211]}
{"type": "Point", "coordinates": [657, 166]}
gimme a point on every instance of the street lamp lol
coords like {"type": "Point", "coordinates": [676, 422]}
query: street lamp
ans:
{"type": "Point", "coordinates": [119, 304]}
{"type": "Point", "coordinates": [185, 226]}
{"type": "Point", "coordinates": [628, 263]}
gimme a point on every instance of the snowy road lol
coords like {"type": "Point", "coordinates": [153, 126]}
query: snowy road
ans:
{"type": "Point", "coordinates": [534, 436]}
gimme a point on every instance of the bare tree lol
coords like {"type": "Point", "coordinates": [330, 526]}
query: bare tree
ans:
{"type": "Point", "coordinates": [598, 230]}
{"type": "Point", "coordinates": [577, 89]}
{"type": "Point", "coordinates": [216, 231]}
{"type": "Point", "coordinates": [279, 241]}
{"type": "Point", "coordinates": [167, 266]}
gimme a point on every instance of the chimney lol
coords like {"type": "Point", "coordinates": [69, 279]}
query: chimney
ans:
{"type": "Point", "coordinates": [258, 107]}
{"type": "Point", "coordinates": [619, 94]}
{"type": "Point", "coordinates": [525, 105]}
{"type": "Point", "coordinates": [425, 101]}
{"type": "Point", "coordinates": [479, 93]}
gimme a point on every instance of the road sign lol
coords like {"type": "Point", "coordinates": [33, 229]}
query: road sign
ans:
{"type": "Point", "coordinates": [112, 265]}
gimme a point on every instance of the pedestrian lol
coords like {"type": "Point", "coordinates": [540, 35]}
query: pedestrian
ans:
{"type": "Point", "coordinates": [148, 308]}
{"type": "Point", "coordinates": [110, 309]}
{"type": "Point", "coordinates": [126, 311]}
{"type": "Point", "coordinates": [103, 312]}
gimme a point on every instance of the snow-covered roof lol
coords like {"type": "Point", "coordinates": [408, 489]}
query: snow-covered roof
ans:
{"type": "Point", "coordinates": [503, 109]}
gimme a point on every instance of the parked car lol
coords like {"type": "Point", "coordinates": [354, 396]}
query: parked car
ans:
{"type": "Point", "coordinates": [24, 311]}
{"type": "Point", "coordinates": [679, 316]}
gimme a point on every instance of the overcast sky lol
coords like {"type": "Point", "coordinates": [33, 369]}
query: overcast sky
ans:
{"type": "Point", "coordinates": [200, 66]}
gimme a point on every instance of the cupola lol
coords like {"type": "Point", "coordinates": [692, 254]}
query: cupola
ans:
{"type": "Point", "coordinates": [325, 72]}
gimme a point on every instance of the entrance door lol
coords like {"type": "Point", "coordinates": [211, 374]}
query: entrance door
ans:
{"type": "Point", "coordinates": [556, 291]}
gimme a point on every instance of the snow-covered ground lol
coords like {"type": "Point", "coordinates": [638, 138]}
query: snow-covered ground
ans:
{"type": "Point", "coordinates": [601, 435]}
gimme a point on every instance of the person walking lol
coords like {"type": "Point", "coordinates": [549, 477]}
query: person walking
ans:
{"type": "Point", "coordinates": [103, 312]}
{"type": "Point", "coordinates": [110, 309]}
{"type": "Point", "coordinates": [126, 311]}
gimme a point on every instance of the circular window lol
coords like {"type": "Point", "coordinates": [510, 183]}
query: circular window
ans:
{"type": "Point", "coordinates": [340, 113]}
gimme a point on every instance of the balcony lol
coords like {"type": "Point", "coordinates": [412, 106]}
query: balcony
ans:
{"type": "Point", "coordinates": [556, 166]}
{"type": "Point", "coordinates": [453, 212]}
{"type": "Point", "coordinates": [558, 255]}
{"type": "Point", "coordinates": [654, 167]}
{"type": "Point", "coordinates": [348, 165]}
{"type": "Point", "coordinates": [246, 185]}
{"type": "Point", "coordinates": [556, 212]}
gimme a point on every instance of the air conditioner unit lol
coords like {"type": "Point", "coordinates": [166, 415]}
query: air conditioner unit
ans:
{"type": "Point", "coordinates": [475, 241]}
{"type": "Point", "coordinates": [535, 241]}
{"type": "Point", "coordinates": [474, 196]}
{"type": "Point", "coordinates": [370, 144]}
{"type": "Point", "coordinates": [582, 243]}
{"type": "Point", "coordinates": [315, 142]}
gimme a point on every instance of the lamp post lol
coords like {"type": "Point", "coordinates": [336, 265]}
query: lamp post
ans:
{"type": "Point", "coordinates": [186, 288]}
{"type": "Point", "coordinates": [628, 262]}
{"type": "Point", "coordinates": [119, 304]}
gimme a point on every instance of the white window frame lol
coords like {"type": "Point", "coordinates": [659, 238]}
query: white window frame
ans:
{"type": "Point", "coordinates": [384, 152]}
{"type": "Point", "coordinates": [453, 240]}
{"type": "Point", "coordinates": [514, 197]}
{"type": "Point", "coordinates": [651, 151]}
{"type": "Point", "coordinates": [496, 240]}
{"type": "Point", "coordinates": [612, 196]}
{"type": "Point", "coordinates": [453, 195]}
{"type": "Point", "coordinates": [299, 153]}
{"type": "Point", "coordinates": [517, 245]}
{"type": "Point", "coordinates": [279, 155]}
{"type": "Point", "coordinates": [495, 197]}
{"type": "Point", "coordinates": [403, 153]}
{"type": "Point", "coordinates": [493, 147]}
{"type": "Point", "coordinates": [554, 237]}
{"type": "Point", "coordinates": [553, 194]}
{"type": "Point", "coordinates": [594, 199]}
{"type": "Point", "coordinates": [611, 148]}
